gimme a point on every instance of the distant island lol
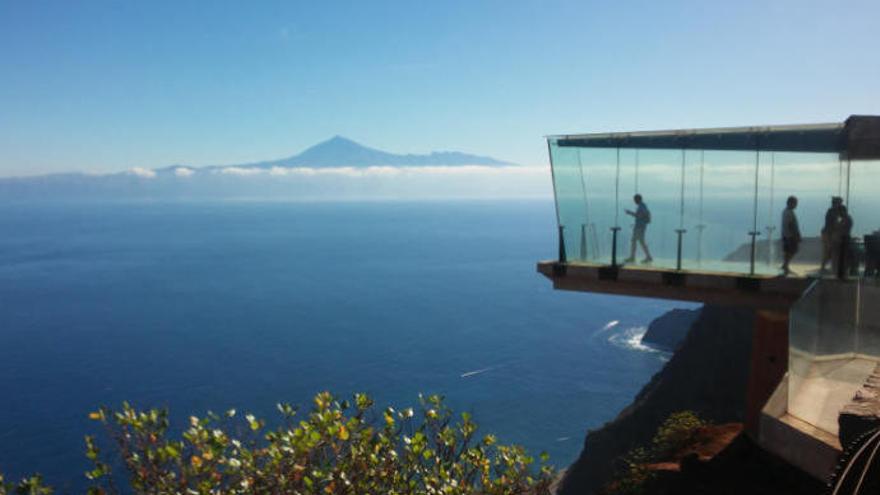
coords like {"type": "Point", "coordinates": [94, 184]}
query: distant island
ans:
{"type": "Point", "coordinates": [337, 151]}
{"type": "Point", "coordinates": [317, 171]}
{"type": "Point", "coordinates": [340, 151]}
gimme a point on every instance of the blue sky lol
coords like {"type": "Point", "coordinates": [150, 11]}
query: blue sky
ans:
{"type": "Point", "coordinates": [109, 85]}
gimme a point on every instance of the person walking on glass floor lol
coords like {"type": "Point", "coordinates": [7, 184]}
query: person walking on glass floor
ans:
{"type": "Point", "coordinates": [643, 217]}
{"type": "Point", "coordinates": [832, 221]}
{"type": "Point", "coordinates": [791, 234]}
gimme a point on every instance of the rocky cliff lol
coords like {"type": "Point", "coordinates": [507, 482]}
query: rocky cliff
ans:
{"type": "Point", "coordinates": [742, 467]}
{"type": "Point", "coordinates": [669, 330]}
{"type": "Point", "coordinates": [708, 375]}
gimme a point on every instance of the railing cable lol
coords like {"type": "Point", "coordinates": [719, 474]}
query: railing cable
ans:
{"type": "Point", "coordinates": [770, 227]}
{"type": "Point", "coordinates": [680, 230]}
{"type": "Point", "coordinates": [583, 248]}
{"type": "Point", "coordinates": [616, 228]}
{"type": "Point", "coordinates": [700, 225]}
{"type": "Point", "coordinates": [841, 480]}
{"type": "Point", "coordinates": [754, 233]}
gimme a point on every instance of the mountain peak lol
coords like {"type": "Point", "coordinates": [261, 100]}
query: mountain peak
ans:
{"type": "Point", "coordinates": [336, 141]}
{"type": "Point", "coordinates": [340, 151]}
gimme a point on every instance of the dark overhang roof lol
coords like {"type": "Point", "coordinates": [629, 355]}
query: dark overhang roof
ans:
{"type": "Point", "coordinates": [857, 138]}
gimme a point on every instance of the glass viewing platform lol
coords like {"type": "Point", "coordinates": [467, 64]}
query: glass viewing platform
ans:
{"type": "Point", "coordinates": [716, 197]}
{"type": "Point", "coordinates": [698, 215]}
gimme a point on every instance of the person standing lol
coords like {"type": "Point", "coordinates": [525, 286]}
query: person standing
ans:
{"type": "Point", "coordinates": [643, 217]}
{"type": "Point", "coordinates": [832, 219]}
{"type": "Point", "coordinates": [791, 234]}
{"type": "Point", "coordinates": [841, 247]}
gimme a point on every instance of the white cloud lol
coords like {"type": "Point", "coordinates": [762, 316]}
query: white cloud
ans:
{"type": "Point", "coordinates": [241, 171]}
{"type": "Point", "coordinates": [183, 172]}
{"type": "Point", "coordinates": [469, 170]}
{"type": "Point", "coordinates": [451, 181]}
{"type": "Point", "coordinates": [142, 172]}
{"type": "Point", "coordinates": [389, 171]}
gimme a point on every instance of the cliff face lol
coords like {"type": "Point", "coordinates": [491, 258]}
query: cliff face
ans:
{"type": "Point", "coordinates": [669, 330]}
{"type": "Point", "coordinates": [741, 468]}
{"type": "Point", "coordinates": [708, 375]}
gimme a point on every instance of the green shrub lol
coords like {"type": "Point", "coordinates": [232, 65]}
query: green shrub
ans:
{"type": "Point", "coordinates": [338, 447]}
{"type": "Point", "coordinates": [632, 476]}
{"type": "Point", "coordinates": [678, 431]}
{"type": "Point", "coordinates": [28, 486]}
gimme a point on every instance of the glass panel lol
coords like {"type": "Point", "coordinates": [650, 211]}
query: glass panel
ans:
{"type": "Point", "coordinates": [802, 336]}
{"type": "Point", "coordinates": [868, 335]}
{"type": "Point", "coordinates": [836, 330]}
{"type": "Point", "coordinates": [862, 194]}
{"type": "Point", "coordinates": [803, 321]}
{"type": "Point", "coordinates": [656, 176]}
{"type": "Point", "coordinates": [717, 199]}
{"type": "Point", "coordinates": [630, 170]}
{"type": "Point", "coordinates": [570, 199]}
{"type": "Point", "coordinates": [824, 371]}
{"type": "Point", "coordinates": [811, 177]}
{"type": "Point", "coordinates": [693, 208]}
{"type": "Point", "coordinates": [601, 183]}
{"type": "Point", "coordinates": [719, 210]}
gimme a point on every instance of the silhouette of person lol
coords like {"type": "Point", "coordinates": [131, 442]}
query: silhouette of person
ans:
{"type": "Point", "coordinates": [832, 218]}
{"type": "Point", "coordinates": [791, 233]}
{"type": "Point", "coordinates": [840, 243]}
{"type": "Point", "coordinates": [643, 217]}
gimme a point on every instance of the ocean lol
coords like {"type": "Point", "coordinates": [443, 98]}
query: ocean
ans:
{"type": "Point", "coordinates": [199, 306]}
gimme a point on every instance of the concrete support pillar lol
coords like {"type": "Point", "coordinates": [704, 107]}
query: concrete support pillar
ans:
{"type": "Point", "coordinates": [768, 364]}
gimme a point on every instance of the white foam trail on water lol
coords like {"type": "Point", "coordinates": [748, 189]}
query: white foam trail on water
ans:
{"type": "Point", "coordinates": [563, 439]}
{"type": "Point", "coordinates": [476, 372]}
{"type": "Point", "coordinates": [631, 338]}
{"type": "Point", "coordinates": [608, 326]}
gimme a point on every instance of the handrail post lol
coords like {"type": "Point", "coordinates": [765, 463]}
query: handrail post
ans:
{"type": "Point", "coordinates": [562, 257]}
{"type": "Point", "coordinates": [614, 231]}
{"type": "Point", "coordinates": [583, 253]}
{"type": "Point", "coordinates": [754, 234]}
{"type": "Point", "coordinates": [680, 233]}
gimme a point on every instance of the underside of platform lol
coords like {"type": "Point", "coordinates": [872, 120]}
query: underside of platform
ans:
{"type": "Point", "coordinates": [718, 288]}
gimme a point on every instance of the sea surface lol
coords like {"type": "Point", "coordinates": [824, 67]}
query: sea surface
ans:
{"type": "Point", "coordinates": [199, 306]}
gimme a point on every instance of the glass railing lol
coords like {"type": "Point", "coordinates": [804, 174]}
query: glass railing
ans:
{"type": "Point", "coordinates": [834, 342]}
{"type": "Point", "coordinates": [711, 210]}
{"type": "Point", "coordinates": [867, 340]}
